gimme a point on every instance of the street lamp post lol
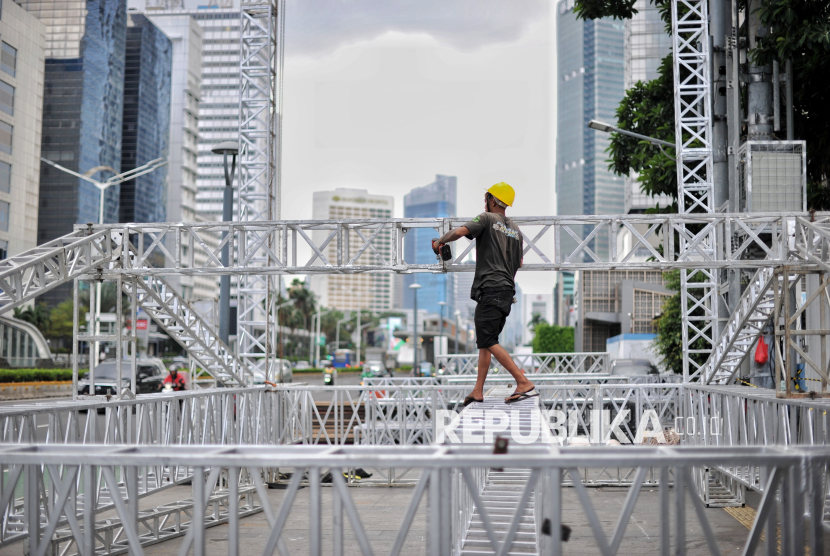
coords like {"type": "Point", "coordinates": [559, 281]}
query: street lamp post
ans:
{"type": "Point", "coordinates": [415, 287]}
{"type": "Point", "coordinates": [280, 336]}
{"type": "Point", "coordinates": [316, 336]}
{"type": "Point", "coordinates": [457, 320]}
{"type": "Point", "coordinates": [608, 128]}
{"type": "Point", "coordinates": [102, 186]}
{"type": "Point", "coordinates": [441, 304]}
{"type": "Point", "coordinates": [226, 148]}
{"type": "Point", "coordinates": [337, 334]}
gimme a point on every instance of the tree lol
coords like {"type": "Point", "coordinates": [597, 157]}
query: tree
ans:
{"type": "Point", "coordinates": [37, 315]}
{"type": "Point", "coordinates": [553, 338]}
{"type": "Point", "coordinates": [305, 302]}
{"type": "Point", "coordinates": [60, 320]}
{"type": "Point", "coordinates": [535, 321]}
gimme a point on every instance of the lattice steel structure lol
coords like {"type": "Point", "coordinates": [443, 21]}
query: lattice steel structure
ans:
{"type": "Point", "coordinates": [693, 132]}
{"type": "Point", "coordinates": [260, 110]}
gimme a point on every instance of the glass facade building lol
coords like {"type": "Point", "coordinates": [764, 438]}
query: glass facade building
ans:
{"type": "Point", "coordinates": [590, 86]}
{"type": "Point", "coordinates": [82, 111]}
{"type": "Point", "coordinates": [436, 200]}
{"type": "Point", "coordinates": [146, 122]}
{"type": "Point", "coordinates": [82, 108]}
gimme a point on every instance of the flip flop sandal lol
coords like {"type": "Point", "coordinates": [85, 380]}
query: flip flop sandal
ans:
{"type": "Point", "coordinates": [469, 399]}
{"type": "Point", "coordinates": [519, 396]}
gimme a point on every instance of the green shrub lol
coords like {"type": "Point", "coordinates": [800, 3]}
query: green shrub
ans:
{"type": "Point", "coordinates": [553, 339]}
{"type": "Point", "coordinates": [35, 375]}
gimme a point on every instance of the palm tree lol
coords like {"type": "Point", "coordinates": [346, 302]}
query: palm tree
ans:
{"type": "Point", "coordinates": [535, 321]}
{"type": "Point", "coordinates": [305, 302]}
{"type": "Point", "coordinates": [37, 315]}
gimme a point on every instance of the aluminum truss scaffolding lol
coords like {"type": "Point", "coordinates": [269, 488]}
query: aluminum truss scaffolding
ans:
{"type": "Point", "coordinates": [779, 237]}
{"type": "Point", "coordinates": [699, 289]}
{"type": "Point", "coordinates": [58, 483]}
{"type": "Point", "coordinates": [260, 112]}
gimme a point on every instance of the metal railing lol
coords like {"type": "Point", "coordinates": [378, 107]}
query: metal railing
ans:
{"type": "Point", "coordinates": [55, 482]}
{"type": "Point", "coordinates": [534, 363]}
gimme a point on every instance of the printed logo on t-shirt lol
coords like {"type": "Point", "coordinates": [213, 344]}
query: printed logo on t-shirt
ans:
{"type": "Point", "coordinates": [509, 232]}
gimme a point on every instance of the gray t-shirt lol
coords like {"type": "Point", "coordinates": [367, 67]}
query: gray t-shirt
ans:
{"type": "Point", "coordinates": [499, 246]}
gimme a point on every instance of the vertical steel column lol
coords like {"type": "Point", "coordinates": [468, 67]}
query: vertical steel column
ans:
{"type": "Point", "coordinates": [693, 131]}
{"type": "Point", "coordinates": [260, 102]}
{"type": "Point", "coordinates": [119, 327]}
{"type": "Point", "coordinates": [75, 330]}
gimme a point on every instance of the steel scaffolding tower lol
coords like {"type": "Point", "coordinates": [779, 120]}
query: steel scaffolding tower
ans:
{"type": "Point", "coordinates": [693, 131]}
{"type": "Point", "coordinates": [260, 108]}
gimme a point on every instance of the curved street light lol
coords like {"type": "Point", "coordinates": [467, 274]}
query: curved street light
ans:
{"type": "Point", "coordinates": [102, 187]}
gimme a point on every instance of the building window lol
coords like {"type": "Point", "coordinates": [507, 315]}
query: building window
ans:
{"type": "Point", "coordinates": [6, 137]}
{"type": "Point", "coordinates": [5, 177]}
{"type": "Point", "coordinates": [8, 59]}
{"type": "Point", "coordinates": [4, 250]}
{"type": "Point", "coordinates": [4, 216]}
{"type": "Point", "coordinates": [6, 98]}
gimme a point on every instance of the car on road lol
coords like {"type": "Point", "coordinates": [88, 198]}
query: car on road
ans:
{"type": "Point", "coordinates": [302, 365]}
{"type": "Point", "coordinates": [286, 373]}
{"type": "Point", "coordinates": [151, 373]}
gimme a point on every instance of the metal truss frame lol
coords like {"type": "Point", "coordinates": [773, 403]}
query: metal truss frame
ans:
{"type": "Point", "coordinates": [535, 363]}
{"type": "Point", "coordinates": [773, 235]}
{"type": "Point", "coordinates": [260, 107]}
{"type": "Point", "coordinates": [53, 478]}
{"type": "Point", "coordinates": [699, 287]}
{"type": "Point", "coordinates": [106, 252]}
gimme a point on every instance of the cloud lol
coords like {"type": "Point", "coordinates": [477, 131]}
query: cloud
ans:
{"type": "Point", "coordinates": [318, 26]}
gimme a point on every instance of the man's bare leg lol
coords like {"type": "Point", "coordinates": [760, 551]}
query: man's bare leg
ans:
{"type": "Point", "coordinates": [483, 367]}
{"type": "Point", "coordinates": [501, 355]}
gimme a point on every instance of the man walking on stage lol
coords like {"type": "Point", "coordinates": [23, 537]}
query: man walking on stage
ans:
{"type": "Point", "coordinates": [499, 248]}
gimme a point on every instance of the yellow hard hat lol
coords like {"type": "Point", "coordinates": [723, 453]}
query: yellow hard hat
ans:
{"type": "Point", "coordinates": [503, 192]}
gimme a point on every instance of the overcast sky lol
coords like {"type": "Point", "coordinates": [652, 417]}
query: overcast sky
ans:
{"type": "Point", "coordinates": [382, 95]}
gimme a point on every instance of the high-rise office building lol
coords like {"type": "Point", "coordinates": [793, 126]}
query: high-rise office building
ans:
{"type": "Point", "coordinates": [462, 286]}
{"type": "Point", "coordinates": [513, 333]}
{"type": "Point", "coordinates": [590, 86]}
{"type": "Point", "coordinates": [146, 124]}
{"type": "Point", "coordinates": [83, 101]}
{"type": "Point", "coordinates": [436, 200]}
{"type": "Point", "coordinates": [350, 292]}
{"type": "Point", "coordinates": [182, 169]}
{"type": "Point", "coordinates": [22, 38]}
{"type": "Point", "coordinates": [219, 106]}
{"type": "Point", "coordinates": [218, 97]}
{"type": "Point", "coordinates": [535, 304]}
{"type": "Point", "coordinates": [82, 107]}
{"type": "Point", "coordinates": [646, 44]}
{"type": "Point", "coordinates": [210, 113]}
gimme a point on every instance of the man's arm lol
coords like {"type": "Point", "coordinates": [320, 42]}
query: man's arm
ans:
{"type": "Point", "coordinates": [453, 235]}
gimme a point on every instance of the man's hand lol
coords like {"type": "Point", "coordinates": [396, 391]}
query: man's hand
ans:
{"type": "Point", "coordinates": [436, 246]}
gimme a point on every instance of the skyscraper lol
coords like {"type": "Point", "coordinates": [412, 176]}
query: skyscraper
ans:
{"type": "Point", "coordinates": [435, 200]}
{"type": "Point", "coordinates": [590, 86]}
{"type": "Point", "coordinates": [146, 124]}
{"type": "Point", "coordinates": [350, 292]}
{"type": "Point", "coordinates": [83, 103]}
{"type": "Point", "coordinates": [183, 169]}
{"type": "Point", "coordinates": [21, 112]}
{"type": "Point", "coordinates": [82, 107]}
{"type": "Point", "coordinates": [646, 44]}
